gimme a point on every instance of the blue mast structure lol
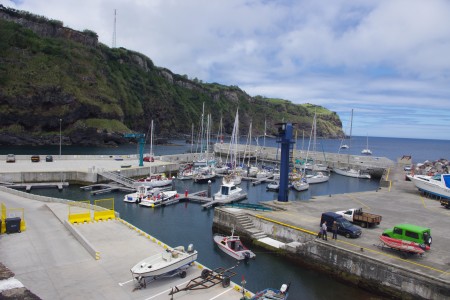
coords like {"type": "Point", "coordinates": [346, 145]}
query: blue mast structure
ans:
{"type": "Point", "coordinates": [141, 141]}
{"type": "Point", "coordinates": [284, 137]}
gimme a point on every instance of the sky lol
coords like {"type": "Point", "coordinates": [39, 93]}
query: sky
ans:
{"type": "Point", "coordinates": [388, 60]}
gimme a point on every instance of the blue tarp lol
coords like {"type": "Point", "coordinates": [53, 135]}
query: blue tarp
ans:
{"type": "Point", "coordinates": [446, 178]}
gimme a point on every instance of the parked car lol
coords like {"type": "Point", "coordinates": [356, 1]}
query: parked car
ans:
{"type": "Point", "coordinates": [345, 228]}
{"type": "Point", "coordinates": [10, 158]}
{"type": "Point", "coordinates": [35, 158]}
{"type": "Point", "coordinates": [149, 159]}
{"type": "Point", "coordinates": [409, 232]}
{"type": "Point", "coordinates": [49, 158]}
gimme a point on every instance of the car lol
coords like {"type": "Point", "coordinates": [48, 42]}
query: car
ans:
{"type": "Point", "coordinates": [35, 158]}
{"type": "Point", "coordinates": [149, 159]}
{"type": "Point", "coordinates": [49, 158]}
{"type": "Point", "coordinates": [408, 232]}
{"type": "Point", "coordinates": [345, 228]}
{"type": "Point", "coordinates": [10, 158]}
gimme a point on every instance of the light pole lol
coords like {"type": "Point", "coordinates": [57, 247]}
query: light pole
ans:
{"type": "Point", "coordinates": [60, 138]}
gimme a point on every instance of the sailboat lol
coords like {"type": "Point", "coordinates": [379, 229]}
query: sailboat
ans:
{"type": "Point", "coordinates": [318, 175]}
{"type": "Point", "coordinates": [350, 172]}
{"type": "Point", "coordinates": [366, 151]}
{"type": "Point", "coordinates": [235, 171]}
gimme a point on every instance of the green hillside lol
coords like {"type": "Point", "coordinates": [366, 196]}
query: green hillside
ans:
{"type": "Point", "coordinates": [50, 73]}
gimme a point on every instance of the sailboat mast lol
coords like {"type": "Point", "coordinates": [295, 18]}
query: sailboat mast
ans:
{"type": "Point", "coordinates": [201, 134]}
{"type": "Point", "coordinates": [151, 139]}
{"type": "Point", "coordinates": [265, 129]}
{"type": "Point", "coordinates": [192, 138]}
{"type": "Point", "coordinates": [350, 139]}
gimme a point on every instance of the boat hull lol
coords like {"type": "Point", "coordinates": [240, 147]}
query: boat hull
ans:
{"type": "Point", "coordinates": [351, 173]}
{"type": "Point", "coordinates": [401, 245]}
{"type": "Point", "coordinates": [431, 186]}
{"type": "Point", "coordinates": [160, 264]}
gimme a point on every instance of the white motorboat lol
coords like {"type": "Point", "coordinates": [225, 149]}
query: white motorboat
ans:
{"type": "Point", "coordinates": [317, 177]}
{"type": "Point", "coordinates": [158, 198]}
{"type": "Point", "coordinates": [233, 246]}
{"type": "Point", "coordinates": [228, 190]}
{"type": "Point", "coordinates": [352, 173]}
{"type": "Point", "coordinates": [300, 185]}
{"type": "Point", "coordinates": [141, 193]}
{"type": "Point", "coordinates": [157, 180]}
{"type": "Point", "coordinates": [165, 262]}
{"type": "Point", "coordinates": [273, 186]}
{"type": "Point", "coordinates": [438, 185]}
{"type": "Point", "coordinates": [344, 146]}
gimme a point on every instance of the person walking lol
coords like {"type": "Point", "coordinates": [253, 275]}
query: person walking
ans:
{"type": "Point", "coordinates": [324, 230]}
{"type": "Point", "coordinates": [334, 229]}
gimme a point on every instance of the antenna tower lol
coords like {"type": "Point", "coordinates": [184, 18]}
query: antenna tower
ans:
{"type": "Point", "coordinates": [114, 32]}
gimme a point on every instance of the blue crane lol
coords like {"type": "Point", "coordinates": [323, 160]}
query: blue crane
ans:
{"type": "Point", "coordinates": [284, 137]}
{"type": "Point", "coordinates": [141, 141]}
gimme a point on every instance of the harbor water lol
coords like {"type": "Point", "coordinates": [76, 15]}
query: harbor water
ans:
{"type": "Point", "coordinates": [185, 223]}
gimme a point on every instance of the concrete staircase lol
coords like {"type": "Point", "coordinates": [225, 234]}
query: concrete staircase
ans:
{"type": "Point", "coordinates": [248, 226]}
{"type": "Point", "coordinates": [114, 176]}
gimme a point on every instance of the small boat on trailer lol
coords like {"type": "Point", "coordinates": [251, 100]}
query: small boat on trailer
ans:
{"type": "Point", "coordinates": [404, 246]}
{"type": "Point", "coordinates": [233, 246]}
{"type": "Point", "coordinates": [170, 261]}
{"type": "Point", "coordinates": [273, 294]}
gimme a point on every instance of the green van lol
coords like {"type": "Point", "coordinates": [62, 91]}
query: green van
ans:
{"type": "Point", "coordinates": [409, 232]}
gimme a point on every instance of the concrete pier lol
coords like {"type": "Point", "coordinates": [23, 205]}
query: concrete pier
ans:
{"type": "Point", "coordinates": [358, 261]}
{"type": "Point", "coordinates": [57, 260]}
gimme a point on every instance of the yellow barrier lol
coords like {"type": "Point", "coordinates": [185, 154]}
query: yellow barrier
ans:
{"type": "Point", "coordinates": [3, 218]}
{"type": "Point", "coordinates": [108, 213]}
{"type": "Point", "coordinates": [79, 212]}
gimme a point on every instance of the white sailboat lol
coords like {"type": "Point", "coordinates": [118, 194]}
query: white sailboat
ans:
{"type": "Point", "coordinates": [350, 172]}
{"type": "Point", "coordinates": [366, 151]}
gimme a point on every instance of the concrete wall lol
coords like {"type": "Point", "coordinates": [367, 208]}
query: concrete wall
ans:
{"type": "Point", "coordinates": [349, 266]}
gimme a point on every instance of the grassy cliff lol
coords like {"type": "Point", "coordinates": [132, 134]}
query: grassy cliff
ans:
{"type": "Point", "coordinates": [50, 73]}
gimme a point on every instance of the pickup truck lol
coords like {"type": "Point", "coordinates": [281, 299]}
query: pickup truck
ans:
{"type": "Point", "coordinates": [445, 202]}
{"type": "Point", "coordinates": [357, 216]}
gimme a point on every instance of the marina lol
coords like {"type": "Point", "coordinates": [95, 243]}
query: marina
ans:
{"type": "Point", "coordinates": [126, 210]}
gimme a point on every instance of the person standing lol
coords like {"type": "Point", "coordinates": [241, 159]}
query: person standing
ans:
{"type": "Point", "coordinates": [334, 229]}
{"type": "Point", "coordinates": [324, 230]}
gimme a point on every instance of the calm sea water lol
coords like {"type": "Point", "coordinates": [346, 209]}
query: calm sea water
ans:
{"type": "Point", "coordinates": [185, 223]}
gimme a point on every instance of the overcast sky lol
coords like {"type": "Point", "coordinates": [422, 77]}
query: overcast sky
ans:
{"type": "Point", "coordinates": [388, 60]}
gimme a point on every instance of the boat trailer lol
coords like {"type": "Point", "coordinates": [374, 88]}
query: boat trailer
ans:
{"type": "Point", "coordinates": [207, 279]}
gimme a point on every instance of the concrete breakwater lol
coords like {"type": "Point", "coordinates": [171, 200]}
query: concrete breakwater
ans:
{"type": "Point", "coordinates": [88, 168]}
{"type": "Point", "coordinates": [357, 267]}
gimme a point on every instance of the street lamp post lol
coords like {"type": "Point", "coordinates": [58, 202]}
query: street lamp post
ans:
{"type": "Point", "coordinates": [60, 138]}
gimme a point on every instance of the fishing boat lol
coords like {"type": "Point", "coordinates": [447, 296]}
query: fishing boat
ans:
{"type": "Point", "coordinates": [438, 185]}
{"type": "Point", "coordinates": [141, 193]}
{"type": "Point", "coordinates": [273, 294]}
{"type": "Point", "coordinates": [233, 246]}
{"type": "Point", "coordinates": [158, 198]}
{"type": "Point", "coordinates": [228, 190]}
{"type": "Point", "coordinates": [165, 262]}
{"type": "Point", "coordinates": [405, 246]}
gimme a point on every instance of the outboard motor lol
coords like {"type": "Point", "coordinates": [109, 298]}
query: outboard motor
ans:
{"type": "Point", "coordinates": [190, 248]}
{"type": "Point", "coordinates": [246, 257]}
